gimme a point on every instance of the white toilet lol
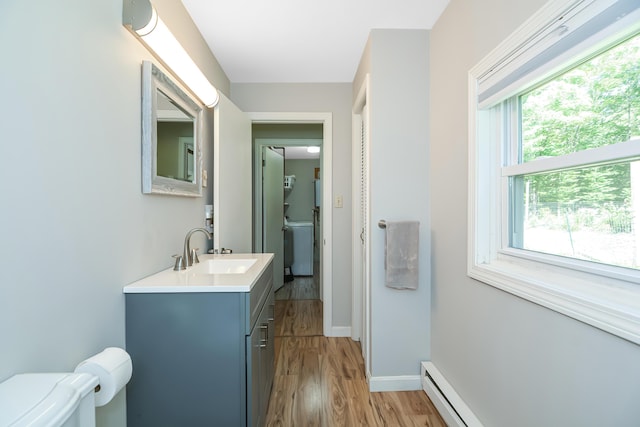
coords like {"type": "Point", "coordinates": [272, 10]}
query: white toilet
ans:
{"type": "Point", "coordinates": [65, 399]}
{"type": "Point", "coordinates": [51, 400]}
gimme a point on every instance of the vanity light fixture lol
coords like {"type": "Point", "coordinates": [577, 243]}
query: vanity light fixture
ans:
{"type": "Point", "coordinates": [313, 149]}
{"type": "Point", "coordinates": [141, 18]}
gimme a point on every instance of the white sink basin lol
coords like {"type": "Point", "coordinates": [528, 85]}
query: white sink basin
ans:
{"type": "Point", "coordinates": [222, 266]}
{"type": "Point", "coordinates": [214, 273]}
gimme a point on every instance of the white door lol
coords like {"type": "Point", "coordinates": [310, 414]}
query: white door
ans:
{"type": "Point", "coordinates": [273, 210]}
{"type": "Point", "coordinates": [232, 178]}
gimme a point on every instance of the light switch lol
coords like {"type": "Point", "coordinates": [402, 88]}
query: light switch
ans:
{"type": "Point", "coordinates": [204, 178]}
{"type": "Point", "coordinates": [338, 202]}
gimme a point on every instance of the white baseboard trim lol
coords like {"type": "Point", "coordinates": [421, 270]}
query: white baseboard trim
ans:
{"type": "Point", "coordinates": [451, 407]}
{"type": "Point", "coordinates": [339, 331]}
{"type": "Point", "coordinates": [396, 383]}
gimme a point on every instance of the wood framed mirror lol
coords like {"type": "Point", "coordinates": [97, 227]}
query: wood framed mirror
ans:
{"type": "Point", "coordinates": [172, 124]}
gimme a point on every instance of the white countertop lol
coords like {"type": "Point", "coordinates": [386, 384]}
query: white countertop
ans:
{"type": "Point", "coordinates": [169, 281]}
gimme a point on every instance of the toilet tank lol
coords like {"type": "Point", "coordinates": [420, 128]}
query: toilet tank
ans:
{"type": "Point", "coordinates": [51, 400]}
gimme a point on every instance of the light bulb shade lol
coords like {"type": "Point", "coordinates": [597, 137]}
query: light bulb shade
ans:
{"type": "Point", "coordinates": [313, 149]}
{"type": "Point", "coordinates": [156, 35]}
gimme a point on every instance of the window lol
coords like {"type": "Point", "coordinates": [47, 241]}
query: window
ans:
{"type": "Point", "coordinates": [555, 164]}
{"type": "Point", "coordinates": [584, 202]}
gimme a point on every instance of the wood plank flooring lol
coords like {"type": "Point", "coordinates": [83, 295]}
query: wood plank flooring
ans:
{"type": "Point", "coordinates": [301, 287]}
{"type": "Point", "coordinates": [320, 381]}
{"type": "Point", "coordinates": [298, 318]}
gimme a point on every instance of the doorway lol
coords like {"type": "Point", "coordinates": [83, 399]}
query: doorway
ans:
{"type": "Point", "coordinates": [302, 221]}
{"type": "Point", "coordinates": [322, 235]}
{"type": "Point", "coordinates": [291, 205]}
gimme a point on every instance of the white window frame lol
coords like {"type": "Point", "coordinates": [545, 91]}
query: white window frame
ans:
{"type": "Point", "coordinates": [606, 297]}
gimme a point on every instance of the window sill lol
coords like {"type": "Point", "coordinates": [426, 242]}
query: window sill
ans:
{"type": "Point", "coordinates": [605, 303]}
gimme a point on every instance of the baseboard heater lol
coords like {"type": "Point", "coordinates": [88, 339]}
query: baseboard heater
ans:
{"type": "Point", "coordinates": [451, 407]}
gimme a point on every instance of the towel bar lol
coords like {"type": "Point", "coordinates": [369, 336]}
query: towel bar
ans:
{"type": "Point", "coordinates": [382, 223]}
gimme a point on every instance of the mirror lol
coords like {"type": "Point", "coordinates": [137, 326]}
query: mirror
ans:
{"type": "Point", "coordinates": [171, 136]}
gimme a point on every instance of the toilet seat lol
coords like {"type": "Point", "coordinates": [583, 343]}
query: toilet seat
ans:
{"type": "Point", "coordinates": [39, 400]}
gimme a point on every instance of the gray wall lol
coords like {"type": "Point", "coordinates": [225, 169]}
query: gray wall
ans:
{"type": "Point", "coordinates": [513, 362]}
{"type": "Point", "coordinates": [286, 130]}
{"type": "Point", "coordinates": [75, 226]}
{"type": "Point", "coordinates": [321, 97]}
{"type": "Point", "coordinates": [76, 229]}
{"type": "Point", "coordinates": [398, 63]}
{"type": "Point", "coordinates": [301, 197]}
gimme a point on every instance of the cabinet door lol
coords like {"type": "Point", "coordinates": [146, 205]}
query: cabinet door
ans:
{"type": "Point", "coordinates": [254, 341]}
{"type": "Point", "coordinates": [267, 356]}
{"type": "Point", "coordinates": [189, 351]}
{"type": "Point", "coordinates": [258, 344]}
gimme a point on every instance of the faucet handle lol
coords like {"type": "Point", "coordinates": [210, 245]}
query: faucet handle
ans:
{"type": "Point", "coordinates": [194, 256]}
{"type": "Point", "coordinates": [179, 265]}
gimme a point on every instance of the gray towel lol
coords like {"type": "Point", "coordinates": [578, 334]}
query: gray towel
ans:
{"type": "Point", "coordinates": [401, 254]}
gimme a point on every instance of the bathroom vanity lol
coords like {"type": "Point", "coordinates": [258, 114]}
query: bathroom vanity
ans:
{"type": "Point", "coordinates": [201, 343]}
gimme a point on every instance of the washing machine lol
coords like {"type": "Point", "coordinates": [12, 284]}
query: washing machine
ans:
{"type": "Point", "coordinates": [302, 248]}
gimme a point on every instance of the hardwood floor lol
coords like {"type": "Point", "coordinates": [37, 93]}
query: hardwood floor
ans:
{"type": "Point", "coordinates": [302, 287]}
{"type": "Point", "coordinates": [298, 318]}
{"type": "Point", "coordinates": [320, 381]}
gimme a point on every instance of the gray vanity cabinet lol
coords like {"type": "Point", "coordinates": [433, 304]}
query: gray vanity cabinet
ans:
{"type": "Point", "coordinates": [260, 353]}
{"type": "Point", "coordinates": [201, 358]}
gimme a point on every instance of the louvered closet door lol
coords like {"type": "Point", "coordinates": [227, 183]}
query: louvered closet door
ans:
{"type": "Point", "coordinates": [364, 237]}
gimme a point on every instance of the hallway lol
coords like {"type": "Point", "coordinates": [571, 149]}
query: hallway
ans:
{"type": "Point", "coordinates": [320, 381]}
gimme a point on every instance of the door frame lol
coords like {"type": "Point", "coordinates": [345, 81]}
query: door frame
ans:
{"type": "Point", "coordinates": [326, 278]}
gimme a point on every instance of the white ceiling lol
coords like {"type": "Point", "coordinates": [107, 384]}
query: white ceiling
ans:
{"type": "Point", "coordinates": [300, 41]}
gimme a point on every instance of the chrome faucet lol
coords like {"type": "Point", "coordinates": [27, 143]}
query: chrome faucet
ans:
{"type": "Point", "coordinates": [190, 256]}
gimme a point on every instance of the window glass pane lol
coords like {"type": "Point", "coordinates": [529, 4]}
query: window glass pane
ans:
{"type": "Point", "coordinates": [590, 214]}
{"type": "Point", "coordinates": [593, 105]}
